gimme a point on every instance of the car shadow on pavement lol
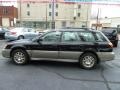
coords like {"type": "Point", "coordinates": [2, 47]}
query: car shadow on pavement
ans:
{"type": "Point", "coordinates": [65, 70]}
{"type": "Point", "coordinates": [52, 64]}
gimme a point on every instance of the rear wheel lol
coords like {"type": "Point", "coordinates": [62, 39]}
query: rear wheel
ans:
{"type": "Point", "coordinates": [88, 61]}
{"type": "Point", "coordinates": [20, 37]}
{"type": "Point", "coordinates": [19, 57]}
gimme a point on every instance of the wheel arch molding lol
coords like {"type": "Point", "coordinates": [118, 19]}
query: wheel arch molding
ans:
{"type": "Point", "coordinates": [91, 51]}
{"type": "Point", "coordinates": [17, 47]}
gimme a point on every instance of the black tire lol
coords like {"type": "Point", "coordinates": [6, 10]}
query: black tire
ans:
{"type": "Point", "coordinates": [84, 64]}
{"type": "Point", "coordinates": [16, 59]}
{"type": "Point", "coordinates": [20, 37]}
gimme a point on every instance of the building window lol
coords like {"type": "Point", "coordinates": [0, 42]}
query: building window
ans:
{"type": "Point", "coordinates": [28, 5]}
{"type": "Point", "coordinates": [74, 18]}
{"type": "Point", "coordinates": [72, 24]}
{"type": "Point", "coordinates": [79, 6]}
{"type": "Point", "coordinates": [28, 13]}
{"type": "Point", "coordinates": [50, 13]}
{"type": "Point", "coordinates": [78, 14]}
{"type": "Point", "coordinates": [64, 24]}
{"type": "Point", "coordinates": [56, 13]}
{"type": "Point", "coordinates": [49, 5]}
{"type": "Point", "coordinates": [5, 11]}
{"type": "Point", "coordinates": [56, 5]}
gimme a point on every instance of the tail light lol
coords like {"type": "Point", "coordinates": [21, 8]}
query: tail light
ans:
{"type": "Point", "coordinates": [13, 33]}
{"type": "Point", "coordinates": [110, 45]}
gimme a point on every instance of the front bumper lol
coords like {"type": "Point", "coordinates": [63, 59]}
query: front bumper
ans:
{"type": "Point", "coordinates": [106, 56]}
{"type": "Point", "coordinates": [6, 53]}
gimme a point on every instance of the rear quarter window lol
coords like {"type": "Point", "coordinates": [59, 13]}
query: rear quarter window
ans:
{"type": "Point", "coordinates": [86, 36]}
{"type": "Point", "coordinates": [99, 37]}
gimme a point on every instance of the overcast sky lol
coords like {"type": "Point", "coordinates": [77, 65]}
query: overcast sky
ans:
{"type": "Point", "coordinates": [106, 10]}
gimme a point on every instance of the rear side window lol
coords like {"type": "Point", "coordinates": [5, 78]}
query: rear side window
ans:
{"type": "Point", "coordinates": [24, 30]}
{"type": "Point", "coordinates": [31, 30]}
{"type": "Point", "coordinates": [70, 37]}
{"type": "Point", "coordinates": [86, 36]}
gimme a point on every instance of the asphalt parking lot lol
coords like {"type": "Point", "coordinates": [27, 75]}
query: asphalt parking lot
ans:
{"type": "Point", "coordinates": [44, 75]}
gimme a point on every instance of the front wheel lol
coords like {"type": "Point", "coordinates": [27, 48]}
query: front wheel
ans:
{"type": "Point", "coordinates": [19, 57]}
{"type": "Point", "coordinates": [20, 37]}
{"type": "Point", "coordinates": [88, 61]}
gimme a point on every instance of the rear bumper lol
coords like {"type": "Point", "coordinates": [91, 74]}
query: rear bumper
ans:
{"type": "Point", "coordinates": [106, 56]}
{"type": "Point", "coordinates": [6, 53]}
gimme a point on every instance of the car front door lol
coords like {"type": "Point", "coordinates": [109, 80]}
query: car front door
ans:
{"type": "Point", "coordinates": [46, 46]}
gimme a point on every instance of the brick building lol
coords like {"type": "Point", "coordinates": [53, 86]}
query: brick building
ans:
{"type": "Point", "coordinates": [8, 15]}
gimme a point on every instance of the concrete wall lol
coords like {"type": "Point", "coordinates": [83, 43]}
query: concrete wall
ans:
{"type": "Point", "coordinates": [5, 22]}
{"type": "Point", "coordinates": [66, 12]}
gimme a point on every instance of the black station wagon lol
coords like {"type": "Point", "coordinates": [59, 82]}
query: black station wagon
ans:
{"type": "Point", "coordinates": [87, 47]}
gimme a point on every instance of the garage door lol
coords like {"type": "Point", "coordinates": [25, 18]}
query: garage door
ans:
{"type": "Point", "coordinates": [5, 22]}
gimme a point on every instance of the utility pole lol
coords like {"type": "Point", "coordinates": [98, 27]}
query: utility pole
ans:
{"type": "Point", "coordinates": [46, 16]}
{"type": "Point", "coordinates": [19, 1]}
{"type": "Point", "coordinates": [97, 19]}
{"type": "Point", "coordinates": [87, 16]}
{"type": "Point", "coordinates": [53, 14]}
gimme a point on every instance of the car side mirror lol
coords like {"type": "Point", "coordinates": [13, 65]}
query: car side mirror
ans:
{"type": "Point", "coordinates": [39, 40]}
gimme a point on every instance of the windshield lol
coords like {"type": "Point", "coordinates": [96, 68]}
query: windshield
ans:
{"type": "Point", "coordinates": [39, 36]}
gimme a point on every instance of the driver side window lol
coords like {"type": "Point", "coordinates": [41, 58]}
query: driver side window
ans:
{"type": "Point", "coordinates": [52, 37]}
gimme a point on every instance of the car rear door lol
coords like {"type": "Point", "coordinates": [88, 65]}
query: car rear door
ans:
{"type": "Point", "coordinates": [47, 47]}
{"type": "Point", "coordinates": [70, 47]}
{"type": "Point", "coordinates": [73, 44]}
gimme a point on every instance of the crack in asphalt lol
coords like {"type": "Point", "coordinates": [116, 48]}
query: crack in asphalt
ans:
{"type": "Point", "coordinates": [102, 75]}
{"type": "Point", "coordinates": [118, 66]}
{"type": "Point", "coordinates": [105, 80]}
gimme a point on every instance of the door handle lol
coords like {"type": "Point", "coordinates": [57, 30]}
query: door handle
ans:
{"type": "Point", "coordinates": [96, 43]}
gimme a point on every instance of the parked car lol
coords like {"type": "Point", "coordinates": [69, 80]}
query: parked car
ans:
{"type": "Point", "coordinates": [88, 48]}
{"type": "Point", "coordinates": [85, 28]}
{"type": "Point", "coordinates": [2, 32]}
{"type": "Point", "coordinates": [44, 31]}
{"type": "Point", "coordinates": [21, 33]}
{"type": "Point", "coordinates": [112, 35]}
